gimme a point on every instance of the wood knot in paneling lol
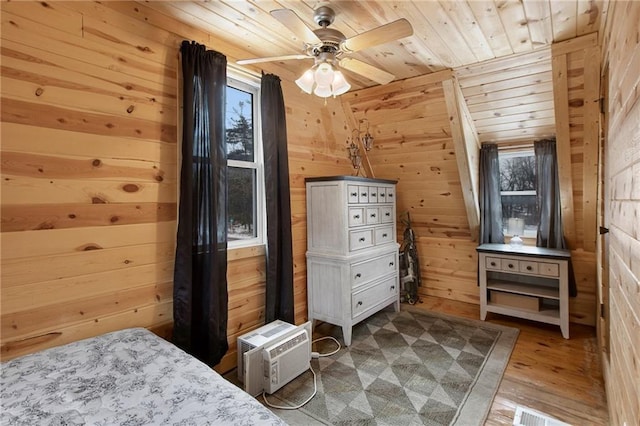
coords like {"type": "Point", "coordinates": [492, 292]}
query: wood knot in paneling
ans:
{"type": "Point", "coordinates": [39, 91]}
{"type": "Point", "coordinates": [130, 109]}
{"type": "Point", "coordinates": [98, 200]}
{"type": "Point", "coordinates": [89, 247]}
{"type": "Point", "coordinates": [96, 163]}
{"type": "Point", "coordinates": [130, 187]}
{"type": "Point", "coordinates": [45, 225]}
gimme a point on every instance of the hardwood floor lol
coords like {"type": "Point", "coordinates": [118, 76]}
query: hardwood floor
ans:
{"type": "Point", "coordinates": [559, 377]}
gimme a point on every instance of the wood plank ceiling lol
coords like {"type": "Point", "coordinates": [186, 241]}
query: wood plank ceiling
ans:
{"type": "Point", "coordinates": [509, 97]}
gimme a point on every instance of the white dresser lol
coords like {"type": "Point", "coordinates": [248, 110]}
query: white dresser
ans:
{"type": "Point", "coordinates": [525, 282]}
{"type": "Point", "coordinates": [352, 253]}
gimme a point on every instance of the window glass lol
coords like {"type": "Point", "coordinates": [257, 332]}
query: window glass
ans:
{"type": "Point", "coordinates": [244, 165]}
{"type": "Point", "coordinates": [239, 113]}
{"type": "Point", "coordinates": [518, 189]}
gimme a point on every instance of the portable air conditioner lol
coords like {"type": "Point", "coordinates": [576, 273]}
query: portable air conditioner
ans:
{"type": "Point", "coordinates": [272, 355]}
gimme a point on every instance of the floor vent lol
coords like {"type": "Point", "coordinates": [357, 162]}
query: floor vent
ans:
{"type": "Point", "coordinates": [528, 417]}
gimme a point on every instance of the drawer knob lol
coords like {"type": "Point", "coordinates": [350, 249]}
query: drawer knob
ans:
{"type": "Point", "coordinates": [390, 195]}
{"type": "Point", "coordinates": [358, 275]}
{"type": "Point", "coordinates": [359, 303]}
{"type": "Point", "coordinates": [384, 235]}
{"type": "Point", "coordinates": [356, 216]}
{"type": "Point", "coordinates": [362, 239]}
{"type": "Point", "coordinates": [493, 263]}
{"type": "Point", "coordinates": [387, 214]}
{"type": "Point", "coordinates": [364, 194]}
{"type": "Point", "coordinates": [529, 268]}
{"type": "Point", "coordinates": [390, 263]}
{"type": "Point", "coordinates": [373, 215]}
{"type": "Point", "coordinates": [510, 266]}
{"type": "Point", "coordinates": [354, 194]}
{"type": "Point", "coordinates": [393, 287]}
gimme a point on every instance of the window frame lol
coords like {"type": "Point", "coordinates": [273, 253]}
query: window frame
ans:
{"type": "Point", "coordinates": [249, 83]}
{"type": "Point", "coordinates": [512, 152]}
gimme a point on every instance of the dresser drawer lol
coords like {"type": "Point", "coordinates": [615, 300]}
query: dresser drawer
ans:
{"type": "Point", "coordinates": [368, 298]}
{"type": "Point", "coordinates": [356, 216]}
{"type": "Point", "coordinates": [352, 194]}
{"type": "Point", "coordinates": [373, 194]}
{"type": "Point", "coordinates": [386, 214]}
{"type": "Point", "coordinates": [373, 215]}
{"type": "Point", "coordinates": [549, 269]}
{"type": "Point", "coordinates": [509, 265]}
{"type": "Point", "coordinates": [363, 194]}
{"type": "Point", "coordinates": [493, 263]}
{"type": "Point", "coordinates": [360, 239]}
{"type": "Point", "coordinates": [371, 269]}
{"type": "Point", "coordinates": [382, 194]}
{"type": "Point", "coordinates": [391, 194]}
{"type": "Point", "coordinates": [383, 235]}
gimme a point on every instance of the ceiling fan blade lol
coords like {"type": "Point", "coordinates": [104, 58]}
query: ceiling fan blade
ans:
{"type": "Point", "coordinates": [383, 34]}
{"type": "Point", "coordinates": [366, 70]}
{"type": "Point", "coordinates": [296, 25]}
{"type": "Point", "coordinates": [271, 59]}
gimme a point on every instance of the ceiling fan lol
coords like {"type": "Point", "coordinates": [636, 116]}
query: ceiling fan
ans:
{"type": "Point", "coordinates": [330, 48]}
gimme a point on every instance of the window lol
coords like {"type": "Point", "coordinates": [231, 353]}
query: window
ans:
{"type": "Point", "coordinates": [518, 189]}
{"type": "Point", "coordinates": [245, 204]}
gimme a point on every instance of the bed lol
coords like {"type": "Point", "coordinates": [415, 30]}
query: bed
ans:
{"type": "Point", "coordinates": [130, 377]}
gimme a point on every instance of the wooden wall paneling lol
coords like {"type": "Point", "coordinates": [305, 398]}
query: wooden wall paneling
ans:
{"type": "Point", "coordinates": [591, 146]}
{"type": "Point", "coordinates": [33, 33]}
{"type": "Point", "coordinates": [44, 141]}
{"type": "Point", "coordinates": [145, 316]}
{"type": "Point", "coordinates": [17, 325]}
{"type": "Point", "coordinates": [561, 106]}
{"type": "Point", "coordinates": [19, 271]}
{"type": "Point", "coordinates": [622, 45]}
{"type": "Point", "coordinates": [467, 152]}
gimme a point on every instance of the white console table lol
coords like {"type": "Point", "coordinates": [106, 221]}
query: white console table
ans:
{"type": "Point", "coordinates": [525, 282]}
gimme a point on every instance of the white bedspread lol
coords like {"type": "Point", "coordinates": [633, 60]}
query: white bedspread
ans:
{"type": "Point", "coordinates": [128, 377]}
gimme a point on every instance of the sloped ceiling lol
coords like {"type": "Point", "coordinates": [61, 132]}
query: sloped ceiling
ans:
{"type": "Point", "coordinates": [498, 49]}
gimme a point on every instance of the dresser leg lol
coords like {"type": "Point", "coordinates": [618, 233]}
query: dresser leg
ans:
{"type": "Point", "coordinates": [396, 305]}
{"type": "Point", "coordinates": [346, 334]}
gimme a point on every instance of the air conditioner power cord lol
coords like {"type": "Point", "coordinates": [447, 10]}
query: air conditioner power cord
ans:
{"type": "Point", "coordinates": [314, 355]}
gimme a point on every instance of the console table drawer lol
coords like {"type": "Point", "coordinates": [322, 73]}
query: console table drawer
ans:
{"type": "Point", "coordinates": [510, 265]}
{"type": "Point", "coordinates": [528, 267]}
{"type": "Point", "coordinates": [549, 269]}
{"type": "Point", "coordinates": [494, 263]}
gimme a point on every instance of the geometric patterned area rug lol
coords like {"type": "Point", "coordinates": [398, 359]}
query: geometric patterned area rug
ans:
{"type": "Point", "coordinates": [405, 368]}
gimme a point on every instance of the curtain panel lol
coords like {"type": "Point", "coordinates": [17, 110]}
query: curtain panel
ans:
{"type": "Point", "coordinates": [550, 233]}
{"type": "Point", "coordinates": [491, 230]}
{"type": "Point", "coordinates": [279, 281]}
{"type": "Point", "coordinates": [200, 300]}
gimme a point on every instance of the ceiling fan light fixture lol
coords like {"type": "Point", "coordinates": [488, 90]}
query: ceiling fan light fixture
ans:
{"type": "Point", "coordinates": [340, 84]}
{"type": "Point", "coordinates": [306, 81]}
{"type": "Point", "coordinates": [322, 91]}
{"type": "Point", "coordinates": [324, 74]}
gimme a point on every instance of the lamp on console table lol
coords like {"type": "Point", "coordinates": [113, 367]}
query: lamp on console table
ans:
{"type": "Point", "coordinates": [515, 227]}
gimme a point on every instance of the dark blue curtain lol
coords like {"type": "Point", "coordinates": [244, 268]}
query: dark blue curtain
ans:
{"type": "Point", "coordinates": [200, 300]}
{"type": "Point", "coordinates": [279, 291]}
{"type": "Point", "coordinates": [490, 199]}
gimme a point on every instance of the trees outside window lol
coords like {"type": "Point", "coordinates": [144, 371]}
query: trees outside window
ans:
{"type": "Point", "coordinates": [518, 188]}
{"type": "Point", "coordinates": [244, 162]}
